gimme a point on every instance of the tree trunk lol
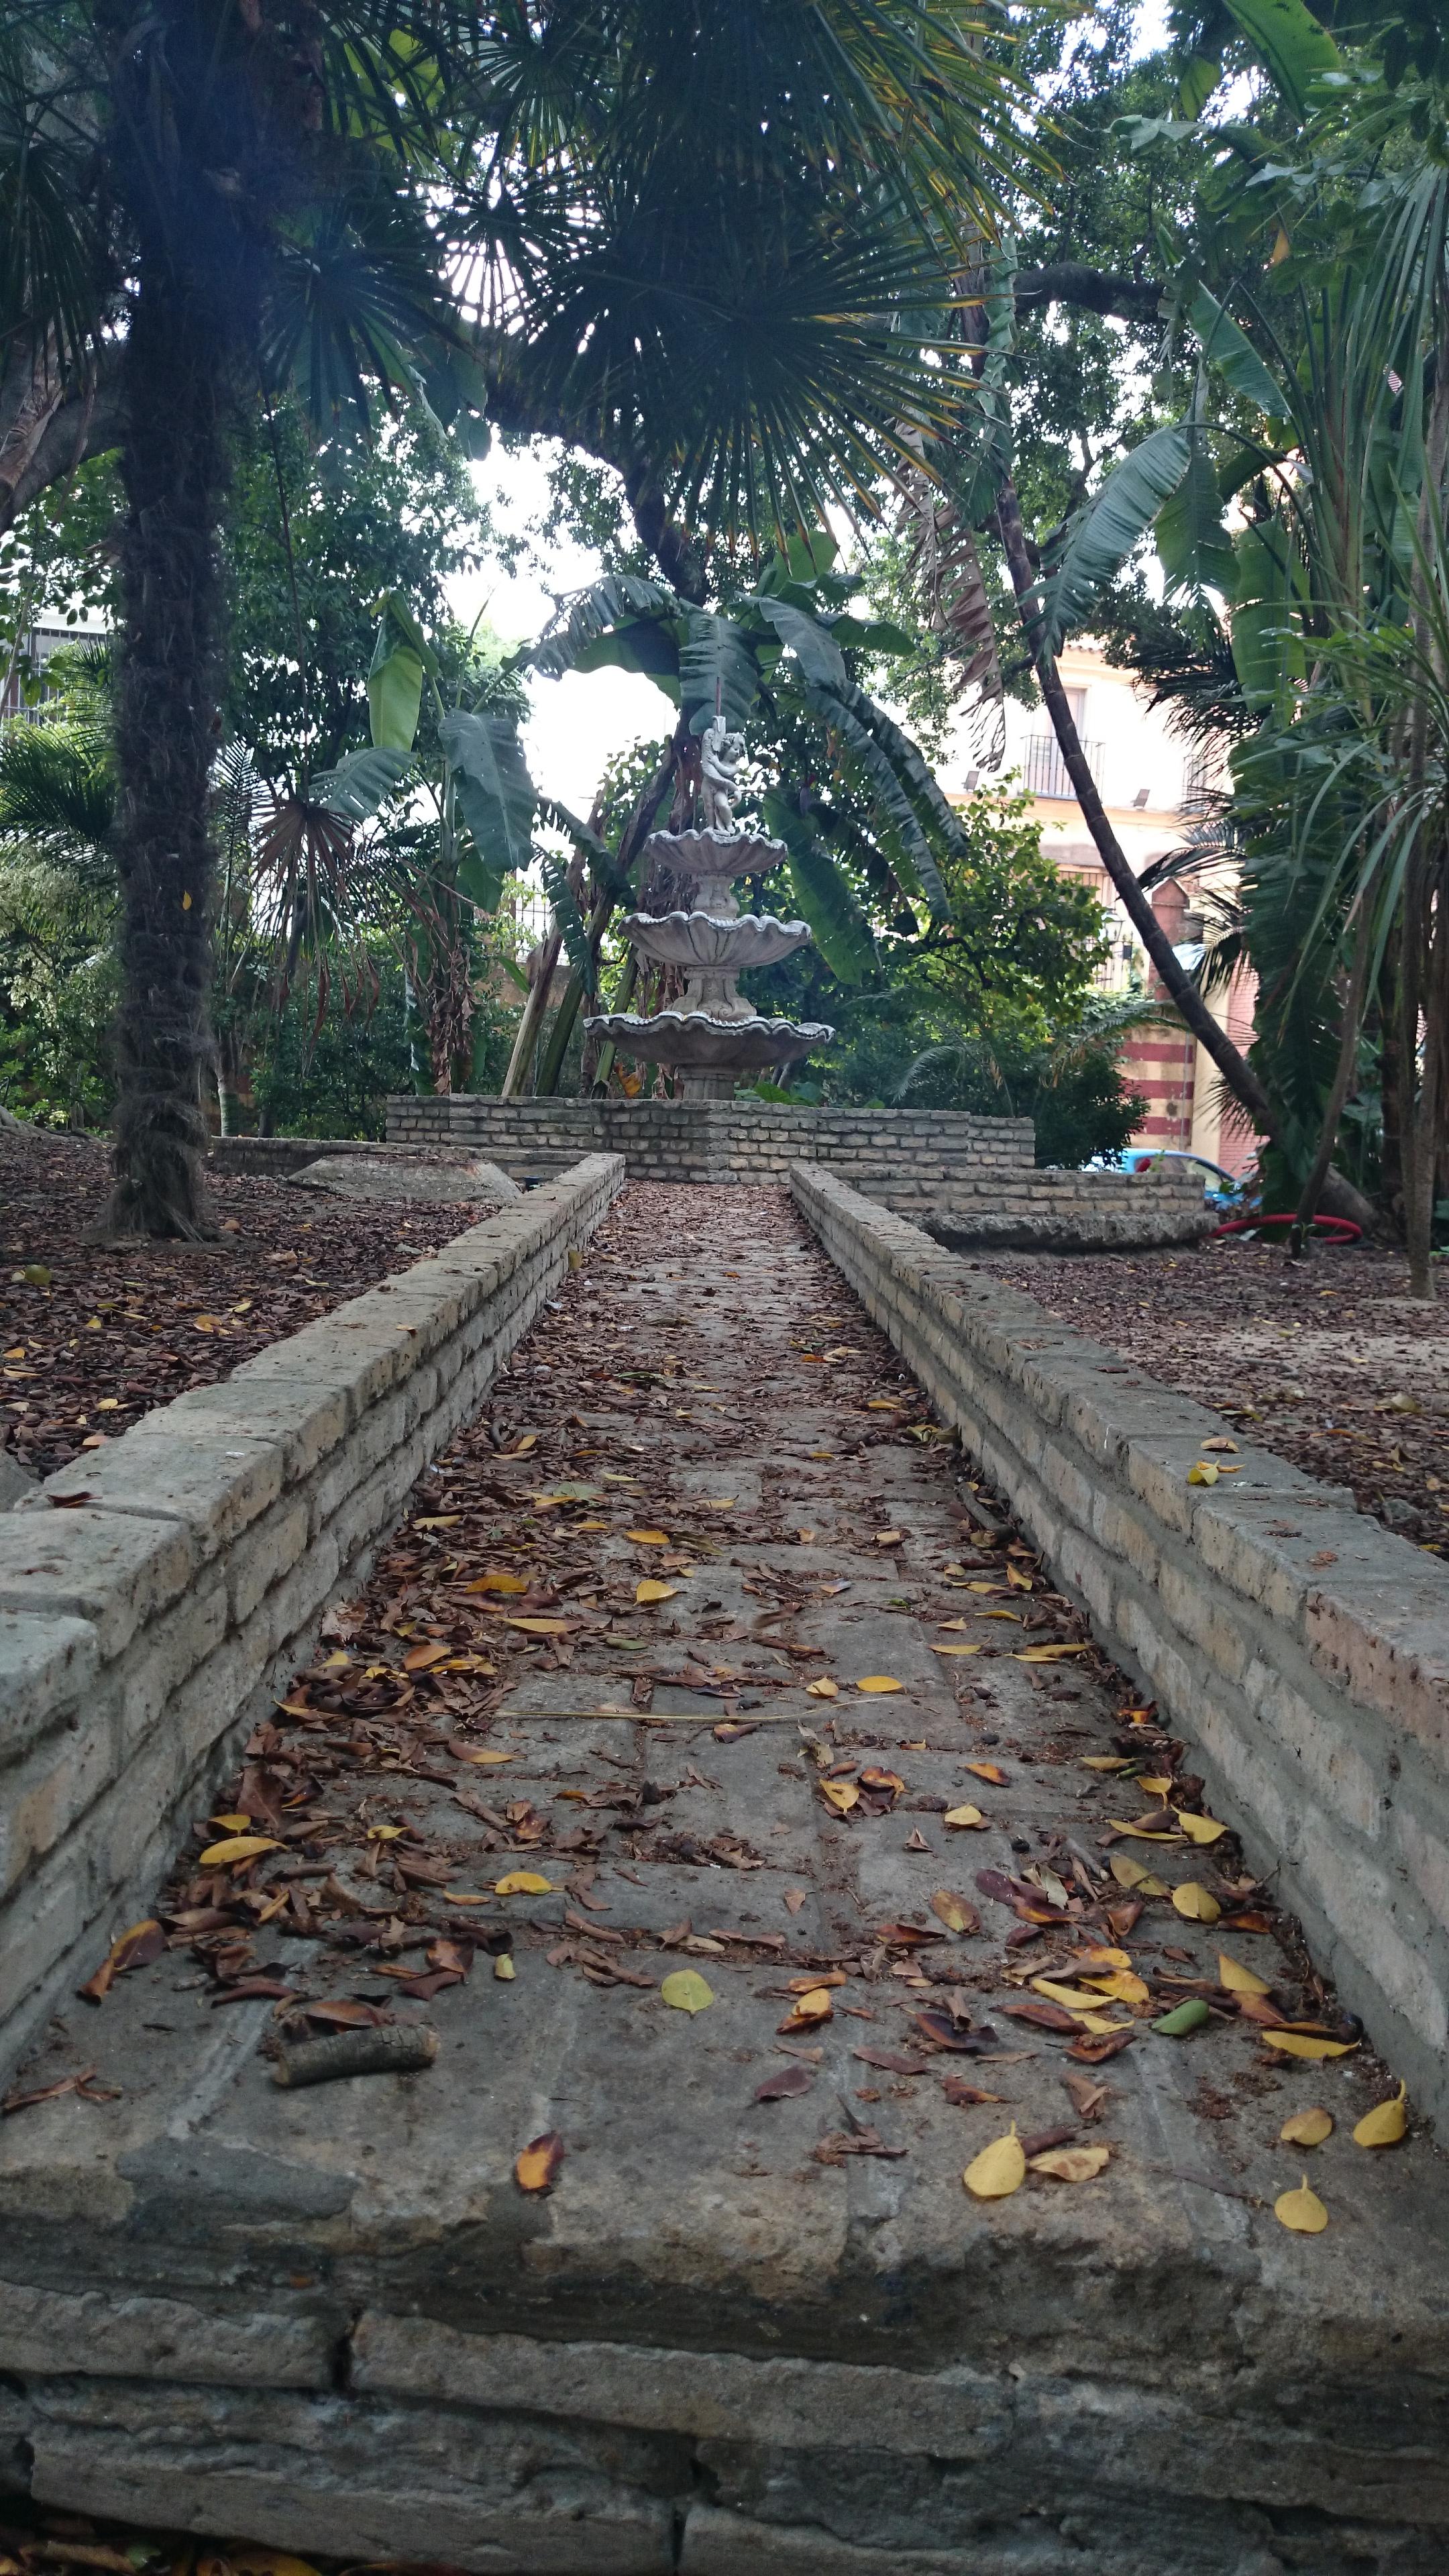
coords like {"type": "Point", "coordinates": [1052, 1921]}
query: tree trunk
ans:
{"type": "Point", "coordinates": [1343, 1074]}
{"type": "Point", "coordinates": [174, 473]}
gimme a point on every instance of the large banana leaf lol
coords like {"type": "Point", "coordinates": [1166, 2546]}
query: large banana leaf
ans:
{"type": "Point", "coordinates": [394, 689]}
{"type": "Point", "coordinates": [1267, 648]}
{"type": "Point", "coordinates": [360, 782]}
{"type": "Point", "coordinates": [647, 644]}
{"type": "Point", "coordinates": [812, 644]}
{"type": "Point", "coordinates": [1290, 44]}
{"type": "Point", "coordinates": [895, 775]}
{"type": "Point", "coordinates": [1193, 546]}
{"type": "Point", "coordinates": [619, 597]}
{"type": "Point", "coordinates": [573, 930]}
{"type": "Point", "coordinates": [1098, 540]}
{"type": "Point", "coordinates": [1229, 349]}
{"type": "Point", "coordinates": [716, 670]}
{"type": "Point", "coordinates": [824, 895]}
{"type": "Point", "coordinates": [492, 784]}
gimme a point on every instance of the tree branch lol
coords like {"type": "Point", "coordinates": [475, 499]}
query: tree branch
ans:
{"type": "Point", "coordinates": [1095, 290]}
{"type": "Point", "coordinates": [47, 448]}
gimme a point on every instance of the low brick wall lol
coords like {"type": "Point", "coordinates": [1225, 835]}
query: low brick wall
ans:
{"type": "Point", "coordinates": [972, 1179]}
{"type": "Point", "coordinates": [144, 1630]}
{"type": "Point", "coordinates": [1317, 1701]}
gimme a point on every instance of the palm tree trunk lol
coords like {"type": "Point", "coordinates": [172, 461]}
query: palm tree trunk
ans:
{"type": "Point", "coordinates": [174, 474]}
{"type": "Point", "coordinates": [1344, 1070]}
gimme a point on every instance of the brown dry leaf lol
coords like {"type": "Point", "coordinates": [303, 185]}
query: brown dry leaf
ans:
{"type": "Point", "coordinates": [964, 1816]}
{"type": "Point", "coordinates": [1239, 1980]}
{"type": "Point", "coordinates": [991, 1771]}
{"type": "Point", "coordinates": [135, 1948]}
{"type": "Point", "coordinates": [966, 2096]}
{"type": "Point", "coordinates": [879, 1682]}
{"type": "Point", "coordinates": [1302, 2210]}
{"type": "Point", "coordinates": [1307, 2128]}
{"type": "Point", "coordinates": [954, 1912]}
{"type": "Point", "coordinates": [785, 2085]}
{"type": "Point", "coordinates": [1089, 2098]}
{"type": "Point", "coordinates": [532, 1627]}
{"type": "Point", "coordinates": [649, 1591]}
{"type": "Point", "coordinates": [535, 2167]}
{"type": "Point", "coordinates": [999, 2170]}
{"type": "Point", "coordinates": [1072, 2164]}
{"type": "Point", "coordinates": [890, 2060]}
{"type": "Point", "coordinates": [486, 1754]}
{"type": "Point", "coordinates": [795, 1898]}
{"type": "Point", "coordinates": [1385, 2124]}
{"type": "Point", "coordinates": [422, 1656]}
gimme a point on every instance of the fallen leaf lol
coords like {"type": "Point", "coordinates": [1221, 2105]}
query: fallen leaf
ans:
{"type": "Point", "coordinates": [1300, 2043]}
{"type": "Point", "coordinates": [540, 1627]}
{"type": "Point", "coordinates": [650, 1590]}
{"type": "Point", "coordinates": [1089, 2051]}
{"type": "Point", "coordinates": [1183, 2019]}
{"type": "Point", "coordinates": [1204, 1473]}
{"type": "Point", "coordinates": [1107, 1761]}
{"type": "Point", "coordinates": [842, 1795]}
{"type": "Point", "coordinates": [1088, 2098]}
{"type": "Point", "coordinates": [1123, 1987]}
{"type": "Point", "coordinates": [1045, 2016]}
{"type": "Point", "coordinates": [965, 2095]}
{"type": "Point", "coordinates": [1072, 2164]}
{"type": "Point", "coordinates": [497, 1580]}
{"type": "Point", "coordinates": [1302, 2210]}
{"type": "Point", "coordinates": [422, 1656]}
{"type": "Point", "coordinates": [537, 2164]}
{"type": "Point", "coordinates": [823, 1689]}
{"type": "Point", "coordinates": [812, 2008]}
{"type": "Point", "coordinates": [955, 1650]}
{"type": "Point", "coordinates": [1384, 2125]}
{"type": "Point", "coordinates": [1239, 1980]}
{"type": "Point", "coordinates": [1194, 1903]}
{"type": "Point", "coordinates": [879, 1682]}
{"type": "Point", "coordinates": [1046, 1654]}
{"type": "Point", "coordinates": [1230, 1446]}
{"type": "Point", "coordinates": [794, 1899]}
{"type": "Point", "coordinates": [237, 1847]}
{"type": "Point", "coordinates": [890, 2061]}
{"type": "Point", "coordinates": [963, 1816]}
{"type": "Point", "coordinates": [889, 1538]}
{"type": "Point", "coordinates": [1059, 1994]}
{"type": "Point", "coordinates": [1307, 2128]}
{"type": "Point", "coordinates": [523, 1882]}
{"type": "Point", "coordinates": [485, 1753]}
{"type": "Point", "coordinates": [385, 1833]}
{"type": "Point", "coordinates": [954, 1912]}
{"type": "Point", "coordinates": [503, 1967]}
{"type": "Point", "coordinates": [1199, 1829]}
{"type": "Point", "coordinates": [649, 1538]}
{"type": "Point", "coordinates": [991, 1771]}
{"type": "Point", "coordinates": [999, 2170]}
{"type": "Point", "coordinates": [785, 2085]}
{"type": "Point", "coordinates": [1152, 1833]}
{"type": "Point", "coordinates": [687, 1991]}
{"type": "Point", "coordinates": [232, 1824]}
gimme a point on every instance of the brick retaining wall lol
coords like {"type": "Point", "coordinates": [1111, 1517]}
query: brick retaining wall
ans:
{"type": "Point", "coordinates": [1317, 1703]}
{"type": "Point", "coordinates": [145, 1631]}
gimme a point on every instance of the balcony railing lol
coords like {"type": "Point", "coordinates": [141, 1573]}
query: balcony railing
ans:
{"type": "Point", "coordinates": [1046, 771]}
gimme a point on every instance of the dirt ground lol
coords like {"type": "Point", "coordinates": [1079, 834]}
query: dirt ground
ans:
{"type": "Point", "coordinates": [106, 1335]}
{"type": "Point", "coordinates": [1326, 1362]}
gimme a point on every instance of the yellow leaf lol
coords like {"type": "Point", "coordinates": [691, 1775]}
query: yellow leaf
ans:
{"type": "Point", "coordinates": [720, 1502]}
{"type": "Point", "coordinates": [879, 1682]}
{"type": "Point", "coordinates": [422, 1656]}
{"type": "Point", "coordinates": [437, 1520]}
{"type": "Point", "coordinates": [1123, 1987]}
{"type": "Point", "coordinates": [889, 1538]}
{"type": "Point", "coordinates": [1156, 1788]}
{"type": "Point", "coordinates": [1238, 1979]}
{"type": "Point", "coordinates": [985, 1587]}
{"type": "Point", "coordinates": [497, 1580]}
{"type": "Point", "coordinates": [1282, 249]}
{"type": "Point", "coordinates": [1195, 1903]}
{"type": "Point", "coordinates": [503, 1967]}
{"type": "Point", "coordinates": [842, 1795]}
{"type": "Point", "coordinates": [268, 2562]}
{"type": "Point", "coordinates": [1019, 1582]}
{"type": "Point", "coordinates": [1204, 1473]}
{"type": "Point", "coordinates": [1072, 2164]}
{"type": "Point", "coordinates": [1302, 2210]}
{"type": "Point", "coordinates": [883, 1404]}
{"type": "Point", "coordinates": [1102, 1958]}
{"type": "Point", "coordinates": [1144, 1833]}
{"type": "Point", "coordinates": [237, 1847]}
{"type": "Point", "coordinates": [950, 1910]}
{"type": "Point", "coordinates": [591, 1525]}
{"type": "Point", "coordinates": [649, 1538]}
{"type": "Point", "coordinates": [649, 1590]}
{"type": "Point", "coordinates": [487, 1754]}
{"type": "Point", "coordinates": [385, 1833]}
{"type": "Point", "coordinates": [1045, 1654]}
{"type": "Point", "coordinates": [1307, 2129]}
{"type": "Point", "coordinates": [1013, 1615]}
{"type": "Point", "coordinates": [1301, 2043]}
{"type": "Point", "coordinates": [540, 1627]}
{"type": "Point", "coordinates": [991, 1771]}
{"type": "Point", "coordinates": [687, 1991]}
{"type": "Point", "coordinates": [1126, 1871]}
{"type": "Point", "coordinates": [232, 1824]}
{"type": "Point", "coordinates": [529, 1441]}
{"type": "Point", "coordinates": [108, 1404]}
{"type": "Point", "coordinates": [955, 1650]}
{"type": "Point", "coordinates": [455, 1896]}
{"type": "Point", "coordinates": [1199, 1829]}
{"type": "Point", "coordinates": [1384, 2125]}
{"type": "Point", "coordinates": [823, 1689]}
{"type": "Point", "coordinates": [1073, 1996]}
{"type": "Point", "coordinates": [963, 1816]}
{"type": "Point", "coordinates": [999, 2170]}
{"type": "Point", "coordinates": [1106, 1761]}
{"type": "Point", "coordinates": [523, 1882]}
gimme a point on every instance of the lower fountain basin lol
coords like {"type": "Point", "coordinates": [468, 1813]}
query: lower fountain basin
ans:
{"type": "Point", "coordinates": [701, 939]}
{"type": "Point", "coordinates": [690, 1038]}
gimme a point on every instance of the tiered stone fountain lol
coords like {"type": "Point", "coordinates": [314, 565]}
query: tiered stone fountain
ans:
{"type": "Point", "coordinates": [712, 1035]}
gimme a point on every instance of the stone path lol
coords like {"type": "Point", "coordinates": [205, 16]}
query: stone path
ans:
{"type": "Point", "coordinates": [756, 2322]}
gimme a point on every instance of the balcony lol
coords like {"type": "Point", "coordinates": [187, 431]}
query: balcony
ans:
{"type": "Point", "coordinates": [1046, 771]}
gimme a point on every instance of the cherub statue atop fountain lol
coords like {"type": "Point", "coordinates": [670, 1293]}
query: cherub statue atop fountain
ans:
{"type": "Point", "coordinates": [720, 754]}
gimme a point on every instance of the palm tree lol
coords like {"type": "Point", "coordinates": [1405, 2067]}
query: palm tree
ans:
{"type": "Point", "coordinates": [716, 256]}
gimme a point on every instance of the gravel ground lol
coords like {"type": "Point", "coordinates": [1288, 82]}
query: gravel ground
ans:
{"type": "Point", "coordinates": [1326, 1362]}
{"type": "Point", "coordinates": [88, 1349]}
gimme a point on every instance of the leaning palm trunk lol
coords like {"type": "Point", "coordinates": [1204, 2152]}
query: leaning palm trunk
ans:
{"type": "Point", "coordinates": [174, 473]}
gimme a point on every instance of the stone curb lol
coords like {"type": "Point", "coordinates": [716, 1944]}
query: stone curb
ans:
{"type": "Point", "coordinates": [147, 1626]}
{"type": "Point", "coordinates": [1318, 1705]}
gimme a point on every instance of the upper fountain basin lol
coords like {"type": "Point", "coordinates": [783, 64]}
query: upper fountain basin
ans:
{"type": "Point", "coordinates": [702, 940]}
{"type": "Point", "coordinates": [692, 1039]}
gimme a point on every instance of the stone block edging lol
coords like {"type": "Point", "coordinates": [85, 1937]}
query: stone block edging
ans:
{"type": "Point", "coordinates": [1316, 1701]}
{"type": "Point", "coordinates": [145, 1628]}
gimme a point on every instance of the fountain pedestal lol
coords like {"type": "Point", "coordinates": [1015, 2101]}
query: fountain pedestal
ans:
{"type": "Point", "coordinates": [712, 1035]}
